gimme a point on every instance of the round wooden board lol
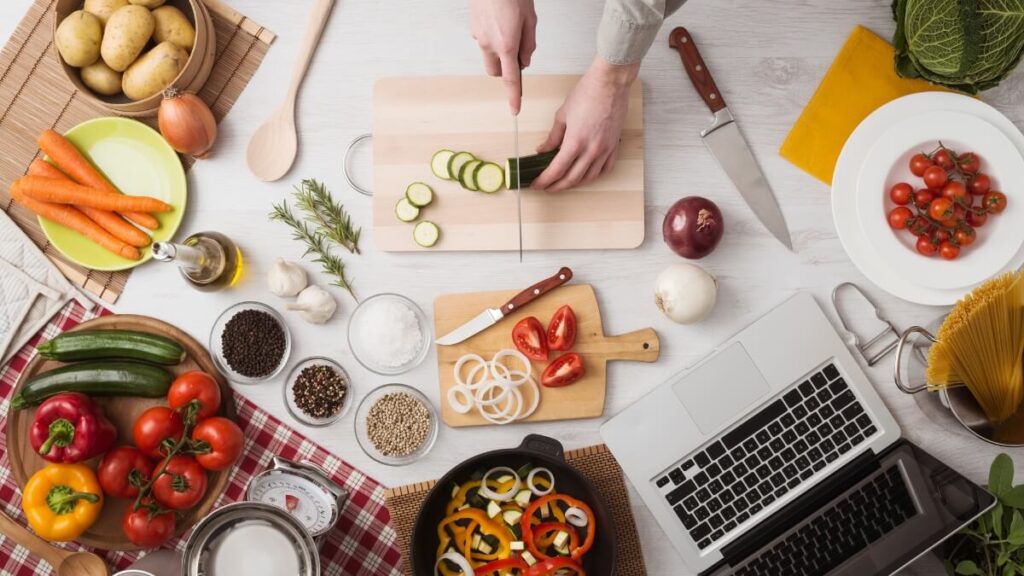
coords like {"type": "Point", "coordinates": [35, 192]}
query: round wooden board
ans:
{"type": "Point", "coordinates": [106, 534]}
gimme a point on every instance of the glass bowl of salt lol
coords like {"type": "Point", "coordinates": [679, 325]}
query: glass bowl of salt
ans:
{"type": "Point", "coordinates": [389, 334]}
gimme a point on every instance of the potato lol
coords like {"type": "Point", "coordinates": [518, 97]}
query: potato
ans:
{"type": "Point", "coordinates": [148, 3]}
{"type": "Point", "coordinates": [173, 26]}
{"type": "Point", "coordinates": [78, 38]}
{"type": "Point", "coordinates": [103, 8]}
{"type": "Point", "coordinates": [127, 32]}
{"type": "Point", "coordinates": [101, 79]}
{"type": "Point", "coordinates": [154, 71]}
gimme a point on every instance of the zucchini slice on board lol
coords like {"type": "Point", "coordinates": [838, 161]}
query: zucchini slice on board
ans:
{"type": "Point", "coordinates": [439, 164]}
{"type": "Point", "coordinates": [489, 178]}
{"type": "Point", "coordinates": [426, 234]}
{"type": "Point", "coordinates": [521, 172]}
{"type": "Point", "coordinates": [467, 172]}
{"type": "Point", "coordinates": [419, 194]}
{"type": "Point", "coordinates": [405, 211]}
{"type": "Point", "coordinates": [456, 162]}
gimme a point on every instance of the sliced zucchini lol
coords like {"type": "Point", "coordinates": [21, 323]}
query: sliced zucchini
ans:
{"type": "Point", "coordinates": [521, 172]}
{"type": "Point", "coordinates": [426, 234]}
{"type": "Point", "coordinates": [456, 162]}
{"type": "Point", "coordinates": [511, 517]}
{"type": "Point", "coordinates": [439, 163]}
{"type": "Point", "coordinates": [493, 508]}
{"type": "Point", "coordinates": [489, 178]}
{"type": "Point", "coordinates": [466, 174]}
{"type": "Point", "coordinates": [419, 194]}
{"type": "Point", "coordinates": [405, 211]}
{"type": "Point", "coordinates": [523, 497]}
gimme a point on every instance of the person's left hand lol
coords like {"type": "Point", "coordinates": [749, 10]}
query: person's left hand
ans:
{"type": "Point", "coordinates": [587, 127]}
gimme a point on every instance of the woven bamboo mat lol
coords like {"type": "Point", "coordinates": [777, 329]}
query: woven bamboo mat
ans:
{"type": "Point", "coordinates": [594, 462]}
{"type": "Point", "coordinates": [36, 95]}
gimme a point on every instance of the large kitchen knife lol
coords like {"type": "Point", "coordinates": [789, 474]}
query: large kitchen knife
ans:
{"type": "Point", "coordinates": [726, 143]}
{"type": "Point", "coordinates": [490, 316]}
{"type": "Point", "coordinates": [515, 129]}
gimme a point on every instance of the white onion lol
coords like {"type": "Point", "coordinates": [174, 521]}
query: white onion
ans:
{"type": "Point", "coordinates": [461, 407]}
{"type": "Point", "coordinates": [537, 491]}
{"type": "Point", "coordinates": [685, 293]}
{"type": "Point", "coordinates": [536, 399]}
{"type": "Point", "coordinates": [486, 491]}
{"type": "Point", "coordinates": [457, 558]}
{"type": "Point", "coordinates": [483, 400]}
{"type": "Point", "coordinates": [462, 362]}
{"type": "Point", "coordinates": [509, 413]}
{"type": "Point", "coordinates": [577, 517]}
{"type": "Point", "coordinates": [495, 392]}
{"type": "Point", "coordinates": [510, 352]}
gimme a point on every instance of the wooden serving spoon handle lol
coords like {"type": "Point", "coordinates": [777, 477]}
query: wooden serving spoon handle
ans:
{"type": "Point", "coordinates": [314, 30]}
{"type": "Point", "coordinates": [24, 537]}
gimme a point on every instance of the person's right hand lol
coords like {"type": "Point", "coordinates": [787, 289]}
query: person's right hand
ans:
{"type": "Point", "coordinates": [506, 32]}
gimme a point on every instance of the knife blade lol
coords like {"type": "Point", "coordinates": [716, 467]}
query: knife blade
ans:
{"type": "Point", "coordinates": [491, 316]}
{"type": "Point", "coordinates": [515, 130]}
{"type": "Point", "coordinates": [727, 144]}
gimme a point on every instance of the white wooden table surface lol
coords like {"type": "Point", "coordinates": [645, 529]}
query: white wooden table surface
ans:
{"type": "Point", "coordinates": [768, 58]}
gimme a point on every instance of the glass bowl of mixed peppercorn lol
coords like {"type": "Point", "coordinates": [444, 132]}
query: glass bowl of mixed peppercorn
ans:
{"type": "Point", "coordinates": [318, 392]}
{"type": "Point", "coordinates": [250, 342]}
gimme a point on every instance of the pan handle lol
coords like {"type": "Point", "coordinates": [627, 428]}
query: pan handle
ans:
{"type": "Point", "coordinates": [543, 445]}
{"type": "Point", "coordinates": [346, 161]}
{"type": "Point", "coordinates": [904, 338]}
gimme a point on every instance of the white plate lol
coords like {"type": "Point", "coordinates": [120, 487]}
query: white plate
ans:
{"type": "Point", "coordinates": [844, 188]}
{"type": "Point", "coordinates": [888, 163]}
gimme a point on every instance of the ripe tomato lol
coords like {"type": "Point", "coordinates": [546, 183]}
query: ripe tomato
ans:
{"type": "Point", "coordinates": [919, 163]}
{"type": "Point", "coordinates": [994, 202]}
{"type": "Point", "coordinates": [943, 158]}
{"type": "Point", "coordinates": [923, 197]}
{"type": "Point", "coordinates": [123, 471]}
{"type": "Point", "coordinates": [954, 190]}
{"type": "Point", "coordinates": [977, 217]}
{"type": "Point", "coordinates": [925, 245]}
{"type": "Point", "coordinates": [528, 336]}
{"type": "Point", "coordinates": [941, 235]}
{"type": "Point", "coordinates": [965, 236]}
{"type": "Point", "coordinates": [970, 163]}
{"type": "Point", "coordinates": [154, 426]}
{"type": "Point", "coordinates": [899, 216]}
{"type": "Point", "coordinates": [182, 485]}
{"type": "Point", "coordinates": [941, 209]}
{"type": "Point", "coordinates": [901, 193]}
{"type": "Point", "coordinates": [148, 527]}
{"type": "Point", "coordinates": [217, 442]}
{"type": "Point", "coordinates": [562, 329]}
{"type": "Point", "coordinates": [980, 184]}
{"type": "Point", "coordinates": [563, 371]}
{"type": "Point", "coordinates": [195, 387]}
{"type": "Point", "coordinates": [935, 177]}
{"type": "Point", "coordinates": [948, 250]}
{"type": "Point", "coordinates": [919, 225]}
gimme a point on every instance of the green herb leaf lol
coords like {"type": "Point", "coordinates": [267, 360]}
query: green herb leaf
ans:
{"type": "Point", "coordinates": [1016, 536]}
{"type": "Point", "coordinates": [316, 245]}
{"type": "Point", "coordinates": [1000, 476]}
{"type": "Point", "coordinates": [330, 217]}
{"type": "Point", "coordinates": [997, 520]}
{"type": "Point", "coordinates": [967, 568]}
{"type": "Point", "coordinates": [1014, 497]}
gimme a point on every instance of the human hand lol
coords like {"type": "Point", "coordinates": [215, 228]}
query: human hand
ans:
{"type": "Point", "coordinates": [506, 32]}
{"type": "Point", "coordinates": [587, 127]}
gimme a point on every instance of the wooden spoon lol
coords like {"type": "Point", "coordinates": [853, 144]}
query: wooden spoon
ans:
{"type": "Point", "coordinates": [67, 563]}
{"type": "Point", "coordinates": [275, 144]}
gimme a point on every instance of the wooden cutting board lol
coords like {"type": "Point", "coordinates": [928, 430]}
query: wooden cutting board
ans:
{"type": "Point", "coordinates": [106, 533]}
{"type": "Point", "coordinates": [415, 117]}
{"type": "Point", "coordinates": [584, 398]}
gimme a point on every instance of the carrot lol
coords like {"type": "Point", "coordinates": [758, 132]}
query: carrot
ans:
{"type": "Point", "coordinates": [110, 221]}
{"type": "Point", "coordinates": [79, 169]}
{"type": "Point", "coordinates": [61, 191]}
{"type": "Point", "coordinates": [74, 219]}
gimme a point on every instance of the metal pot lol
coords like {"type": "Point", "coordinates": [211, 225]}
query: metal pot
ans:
{"type": "Point", "coordinates": [535, 449]}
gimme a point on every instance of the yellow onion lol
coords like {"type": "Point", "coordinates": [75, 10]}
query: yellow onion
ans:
{"type": "Point", "coordinates": [187, 123]}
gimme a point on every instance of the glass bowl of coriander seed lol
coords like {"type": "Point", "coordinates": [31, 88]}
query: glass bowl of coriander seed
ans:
{"type": "Point", "coordinates": [396, 424]}
{"type": "Point", "coordinates": [318, 392]}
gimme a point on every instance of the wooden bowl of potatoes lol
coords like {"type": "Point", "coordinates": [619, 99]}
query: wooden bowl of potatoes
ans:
{"type": "Point", "coordinates": [123, 54]}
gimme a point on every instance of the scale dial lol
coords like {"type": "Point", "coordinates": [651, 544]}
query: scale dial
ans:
{"type": "Point", "coordinates": [307, 501]}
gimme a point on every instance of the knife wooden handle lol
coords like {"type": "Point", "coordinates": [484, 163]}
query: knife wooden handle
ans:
{"type": "Point", "coordinates": [696, 69]}
{"type": "Point", "coordinates": [536, 291]}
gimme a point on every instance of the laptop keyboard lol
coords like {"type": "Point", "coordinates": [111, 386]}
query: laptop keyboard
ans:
{"type": "Point", "coordinates": [840, 532]}
{"type": "Point", "coordinates": [772, 452]}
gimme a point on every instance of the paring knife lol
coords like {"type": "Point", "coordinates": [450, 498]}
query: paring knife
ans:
{"type": "Point", "coordinates": [490, 316]}
{"type": "Point", "coordinates": [726, 143]}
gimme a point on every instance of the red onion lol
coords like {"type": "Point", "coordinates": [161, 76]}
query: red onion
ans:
{"type": "Point", "coordinates": [692, 227]}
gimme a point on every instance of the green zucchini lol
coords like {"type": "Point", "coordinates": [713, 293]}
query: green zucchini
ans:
{"type": "Point", "coordinates": [466, 174]}
{"type": "Point", "coordinates": [95, 379]}
{"type": "Point", "coordinates": [419, 194]}
{"type": "Point", "coordinates": [521, 172]}
{"type": "Point", "coordinates": [455, 163]}
{"type": "Point", "coordinates": [405, 211]}
{"type": "Point", "coordinates": [489, 178]}
{"type": "Point", "coordinates": [439, 163]}
{"type": "Point", "coordinates": [426, 234]}
{"type": "Point", "coordinates": [113, 344]}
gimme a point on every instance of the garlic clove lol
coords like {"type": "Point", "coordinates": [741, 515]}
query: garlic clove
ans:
{"type": "Point", "coordinates": [315, 305]}
{"type": "Point", "coordinates": [286, 279]}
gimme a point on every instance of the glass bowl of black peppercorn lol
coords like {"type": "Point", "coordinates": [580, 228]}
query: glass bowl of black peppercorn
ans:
{"type": "Point", "coordinates": [318, 392]}
{"type": "Point", "coordinates": [250, 343]}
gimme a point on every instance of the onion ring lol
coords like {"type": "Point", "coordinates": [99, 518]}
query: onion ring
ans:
{"type": "Point", "coordinates": [511, 352]}
{"type": "Point", "coordinates": [536, 400]}
{"type": "Point", "coordinates": [577, 517]}
{"type": "Point", "coordinates": [486, 491]}
{"type": "Point", "coordinates": [461, 407]}
{"type": "Point", "coordinates": [487, 387]}
{"type": "Point", "coordinates": [506, 416]}
{"type": "Point", "coordinates": [462, 362]}
{"type": "Point", "coordinates": [537, 491]}
{"type": "Point", "coordinates": [455, 558]}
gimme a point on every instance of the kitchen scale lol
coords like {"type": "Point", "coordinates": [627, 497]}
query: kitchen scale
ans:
{"type": "Point", "coordinates": [301, 489]}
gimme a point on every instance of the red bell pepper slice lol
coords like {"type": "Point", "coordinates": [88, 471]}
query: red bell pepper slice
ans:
{"type": "Point", "coordinates": [527, 528]}
{"type": "Point", "coordinates": [502, 567]}
{"type": "Point", "coordinates": [552, 565]}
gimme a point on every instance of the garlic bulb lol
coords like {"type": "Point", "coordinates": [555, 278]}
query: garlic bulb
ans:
{"type": "Point", "coordinates": [286, 279]}
{"type": "Point", "coordinates": [315, 305]}
{"type": "Point", "coordinates": [685, 293]}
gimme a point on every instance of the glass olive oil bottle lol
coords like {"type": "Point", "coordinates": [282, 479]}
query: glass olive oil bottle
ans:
{"type": "Point", "coordinates": [209, 261]}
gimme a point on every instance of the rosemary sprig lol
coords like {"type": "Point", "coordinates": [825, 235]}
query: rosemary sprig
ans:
{"type": "Point", "coordinates": [316, 245]}
{"type": "Point", "coordinates": [313, 198]}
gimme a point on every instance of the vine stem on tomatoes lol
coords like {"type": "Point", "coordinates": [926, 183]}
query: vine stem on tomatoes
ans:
{"type": "Point", "coordinates": [189, 416]}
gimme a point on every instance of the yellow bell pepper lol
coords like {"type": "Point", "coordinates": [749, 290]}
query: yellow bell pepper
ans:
{"type": "Point", "coordinates": [62, 501]}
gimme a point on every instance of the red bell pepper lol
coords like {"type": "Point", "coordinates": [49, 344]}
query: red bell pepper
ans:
{"type": "Point", "coordinates": [550, 566]}
{"type": "Point", "coordinates": [527, 524]}
{"type": "Point", "coordinates": [69, 428]}
{"type": "Point", "coordinates": [502, 567]}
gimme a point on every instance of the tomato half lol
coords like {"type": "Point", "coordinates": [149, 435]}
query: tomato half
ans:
{"type": "Point", "coordinates": [182, 485]}
{"type": "Point", "coordinates": [563, 371]}
{"type": "Point", "coordinates": [155, 426]}
{"type": "Point", "coordinates": [195, 387]}
{"type": "Point", "coordinates": [217, 442]}
{"type": "Point", "coordinates": [123, 471]}
{"type": "Point", "coordinates": [529, 338]}
{"type": "Point", "coordinates": [148, 527]}
{"type": "Point", "coordinates": [562, 329]}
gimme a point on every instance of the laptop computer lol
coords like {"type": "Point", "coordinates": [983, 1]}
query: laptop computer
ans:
{"type": "Point", "coordinates": [775, 455]}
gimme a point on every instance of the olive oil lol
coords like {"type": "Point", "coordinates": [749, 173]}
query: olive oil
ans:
{"type": "Point", "coordinates": [209, 261]}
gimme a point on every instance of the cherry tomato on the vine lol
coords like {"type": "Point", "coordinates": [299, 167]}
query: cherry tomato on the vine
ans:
{"type": "Point", "coordinates": [935, 177]}
{"type": "Point", "coordinates": [965, 236]}
{"type": "Point", "coordinates": [980, 184]}
{"type": "Point", "coordinates": [948, 250]}
{"type": "Point", "coordinates": [919, 163]}
{"type": "Point", "coordinates": [954, 191]}
{"type": "Point", "coordinates": [899, 216]}
{"type": "Point", "coordinates": [941, 209]}
{"type": "Point", "coordinates": [923, 197]}
{"type": "Point", "coordinates": [977, 217]}
{"type": "Point", "coordinates": [970, 163]}
{"type": "Point", "coordinates": [901, 193]}
{"type": "Point", "coordinates": [943, 159]}
{"type": "Point", "coordinates": [994, 202]}
{"type": "Point", "coordinates": [925, 245]}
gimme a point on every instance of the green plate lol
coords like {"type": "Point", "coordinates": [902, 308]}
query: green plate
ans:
{"type": "Point", "coordinates": [138, 161]}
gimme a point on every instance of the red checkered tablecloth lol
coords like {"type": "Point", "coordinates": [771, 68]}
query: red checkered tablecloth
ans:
{"type": "Point", "coordinates": [362, 544]}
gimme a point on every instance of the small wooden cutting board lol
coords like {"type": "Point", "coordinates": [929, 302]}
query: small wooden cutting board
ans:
{"type": "Point", "coordinates": [584, 398]}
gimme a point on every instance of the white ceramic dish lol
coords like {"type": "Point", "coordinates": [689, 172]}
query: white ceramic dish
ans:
{"type": "Point", "coordinates": [844, 188]}
{"type": "Point", "coordinates": [888, 163]}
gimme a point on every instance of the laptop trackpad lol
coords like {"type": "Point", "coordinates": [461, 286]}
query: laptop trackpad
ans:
{"type": "Point", "coordinates": [721, 388]}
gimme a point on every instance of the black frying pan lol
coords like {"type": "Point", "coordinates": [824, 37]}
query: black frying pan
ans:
{"type": "Point", "coordinates": [535, 449]}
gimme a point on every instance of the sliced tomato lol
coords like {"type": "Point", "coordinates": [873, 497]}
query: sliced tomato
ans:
{"type": "Point", "coordinates": [562, 329]}
{"type": "Point", "coordinates": [528, 336]}
{"type": "Point", "coordinates": [563, 371]}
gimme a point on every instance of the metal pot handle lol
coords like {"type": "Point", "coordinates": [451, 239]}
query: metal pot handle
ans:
{"type": "Point", "coordinates": [345, 165]}
{"type": "Point", "coordinates": [543, 445]}
{"type": "Point", "coordinates": [899, 358]}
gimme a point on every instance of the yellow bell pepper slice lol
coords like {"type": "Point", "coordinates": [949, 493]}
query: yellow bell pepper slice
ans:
{"type": "Point", "coordinates": [61, 501]}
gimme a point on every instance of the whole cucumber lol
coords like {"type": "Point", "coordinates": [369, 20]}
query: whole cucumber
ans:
{"type": "Point", "coordinates": [95, 379]}
{"type": "Point", "coordinates": [113, 344]}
